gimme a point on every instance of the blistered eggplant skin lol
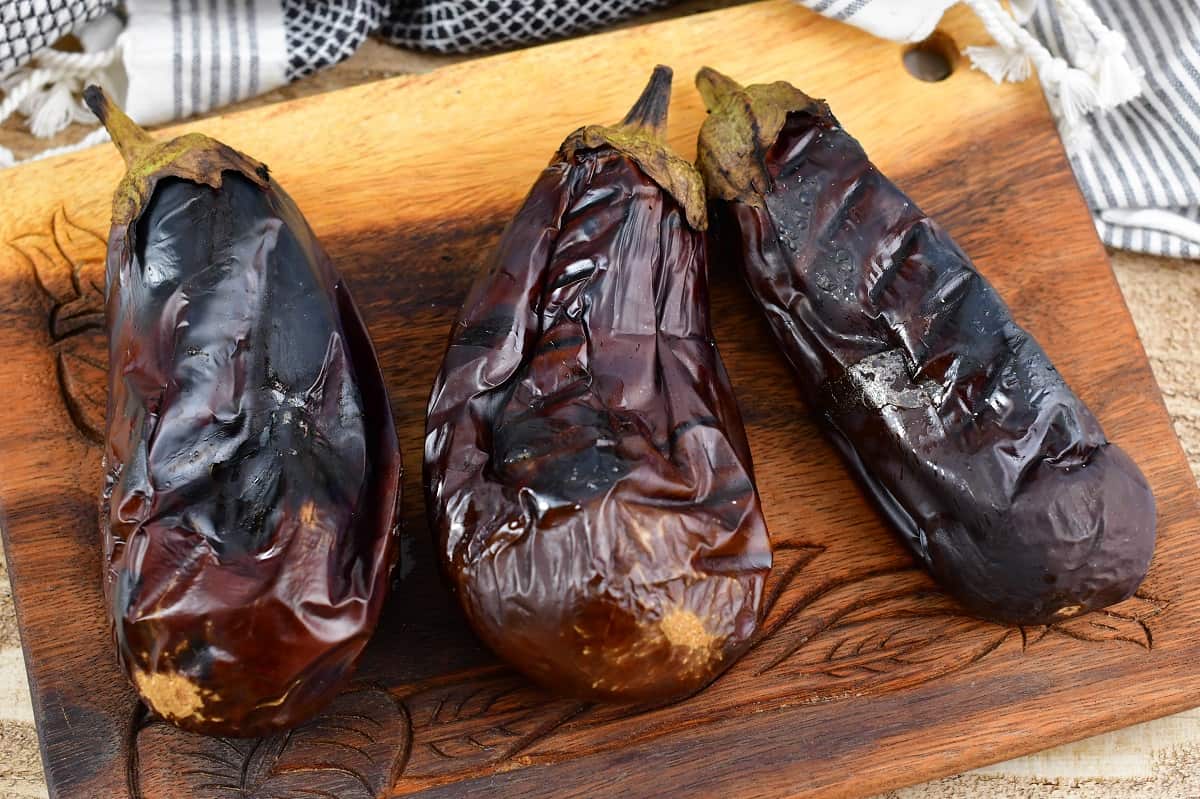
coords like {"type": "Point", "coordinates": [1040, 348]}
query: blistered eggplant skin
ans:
{"type": "Point", "coordinates": [251, 465]}
{"type": "Point", "coordinates": [950, 414]}
{"type": "Point", "coordinates": [587, 474]}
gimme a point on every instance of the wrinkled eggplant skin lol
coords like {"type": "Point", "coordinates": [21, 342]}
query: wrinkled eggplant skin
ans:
{"type": "Point", "coordinates": [251, 465]}
{"type": "Point", "coordinates": [950, 415]}
{"type": "Point", "coordinates": [588, 477]}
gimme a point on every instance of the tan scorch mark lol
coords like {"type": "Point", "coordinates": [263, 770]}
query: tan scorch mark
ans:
{"type": "Point", "coordinates": [682, 627]}
{"type": "Point", "coordinates": [308, 513]}
{"type": "Point", "coordinates": [354, 749]}
{"type": "Point", "coordinates": [172, 695]}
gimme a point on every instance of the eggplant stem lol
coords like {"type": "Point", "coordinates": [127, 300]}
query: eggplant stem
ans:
{"type": "Point", "coordinates": [649, 113]}
{"type": "Point", "coordinates": [715, 88]}
{"type": "Point", "coordinates": [126, 134]}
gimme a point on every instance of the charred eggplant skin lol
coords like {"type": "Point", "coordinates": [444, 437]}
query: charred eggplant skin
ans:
{"type": "Point", "coordinates": [950, 415]}
{"type": "Point", "coordinates": [587, 474]}
{"type": "Point", "coordinates": [251, 470]}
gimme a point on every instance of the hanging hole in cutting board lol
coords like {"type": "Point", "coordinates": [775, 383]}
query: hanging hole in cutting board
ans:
{"type": "Point", "coordinates": [933, 59]}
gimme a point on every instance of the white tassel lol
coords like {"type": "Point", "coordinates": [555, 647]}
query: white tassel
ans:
{"type": "Point", "coordinates": [1000, 64]}
{"type": "Point", "coordinates": [48, 95]}
{"type": "Point", "coordinates": [1107, 77]}
{"type": "Point", "coordinates": [1118, 77]}
{"type": "Point", "coordinates": [1007, 60]}
{"type": "Point", "coordinates": [1075, 89]}
{"type": "Point", "coordinates": [45, 97]}
{"type": "Point", "coordinates": [18, 89]}
{"type": "Point", "coordinates": [1078, 138]}
{"type": "Point", "coordinates": [54, 107]}
{"type": "Point", "coordinates": [1117, 80]}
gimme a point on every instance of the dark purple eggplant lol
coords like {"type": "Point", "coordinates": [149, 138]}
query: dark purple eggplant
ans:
{"type": "Point", "coordinates": [587, 474]}
{"type": "Point", "coordinates": [953, 419]}
{"type": "Point", "coordinates": [251, 469]}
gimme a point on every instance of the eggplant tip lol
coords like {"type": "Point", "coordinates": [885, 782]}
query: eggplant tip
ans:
{"type": "Point", "coordinates": [97, 101]}
{"type": "Point", "coordinates": [650, 111]}
{"type": "Point", "coordinates": [715, 87]}
{"type": "Point", "coordinates": [129, 138]}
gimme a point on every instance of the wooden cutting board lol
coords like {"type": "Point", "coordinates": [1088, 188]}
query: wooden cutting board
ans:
{"type": "Point", "coordinates": [867, 679]}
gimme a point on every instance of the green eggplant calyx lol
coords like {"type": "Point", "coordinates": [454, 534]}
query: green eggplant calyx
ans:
{"type": "Point", "coordinates": [641, 137]}
{"type": "Point", "coordinates": [193, 156]}
{"type": "Point", "coordinates": [742, 125]}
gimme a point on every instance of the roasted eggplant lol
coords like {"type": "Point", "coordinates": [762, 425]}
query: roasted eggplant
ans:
{"type": "Point", "coordinates": [587, 474]}
{"type": "Point", "coordinates": [953, 419]}
{"type": "Point", "coordinates": [251, 470]}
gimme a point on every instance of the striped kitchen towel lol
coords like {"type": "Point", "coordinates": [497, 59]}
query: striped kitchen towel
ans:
{"type": "Point", "coordinates": [1141, 175]}
{"type": "Point", "coordinates": [184, 57]}
{"type": "Point", "coordinates": [1123, 77]}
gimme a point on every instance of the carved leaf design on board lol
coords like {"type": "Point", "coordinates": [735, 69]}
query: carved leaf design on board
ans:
{"type": "Point", "coordinates": [355, 749]}
{"type": "Point", "coordinates": [68, 265]}
{"type": "Point", "coordinates": [82, 368]}
{"type": "Point", "coordinates": [892, 628]}
{"type": "Point", "coordinates": [1128, 622]}
{"type": "Point", "coordinates": [67, 261]}
{"type": "Point", "coordinates": [883, 629]}
{"type": "Point", "coordinates": [459, 727]}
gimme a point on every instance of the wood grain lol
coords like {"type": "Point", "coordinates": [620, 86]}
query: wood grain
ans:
{"type": "Point", "coordinates": [866, 677]}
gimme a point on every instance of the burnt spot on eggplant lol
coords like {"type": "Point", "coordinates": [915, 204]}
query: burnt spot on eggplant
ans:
{"type": "Point", "coordinates": [251, 465]}
{"type": "Point", "coordinates": [587, 474]}
{"type": "Point", "coordinates": [487, 332]}
{"type": "Point", "coordinates": [950, 415]}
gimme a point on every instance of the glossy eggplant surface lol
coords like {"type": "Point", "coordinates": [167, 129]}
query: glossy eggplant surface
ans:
{"type": "Point", "coordinates": [251, 470]}
{"type": "Point", "coordinates": [586, 469]}
{"type": "Point", "coordinates": [950, 415]}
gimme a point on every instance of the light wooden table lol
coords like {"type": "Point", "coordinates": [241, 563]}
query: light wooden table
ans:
{"type": "Point", "coordinates": [1158, 760]}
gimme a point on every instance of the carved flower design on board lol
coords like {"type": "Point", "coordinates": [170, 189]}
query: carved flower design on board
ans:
{"type": "Point", "coordinates": [824, 639]}
{"type": "Point", "coordinates": [68, 265]}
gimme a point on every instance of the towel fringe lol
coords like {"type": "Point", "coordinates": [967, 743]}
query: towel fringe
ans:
{"type": "Point", "coordinates": [49, 94]}
{"type": "Point", "coordinates": [1098, 76]}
